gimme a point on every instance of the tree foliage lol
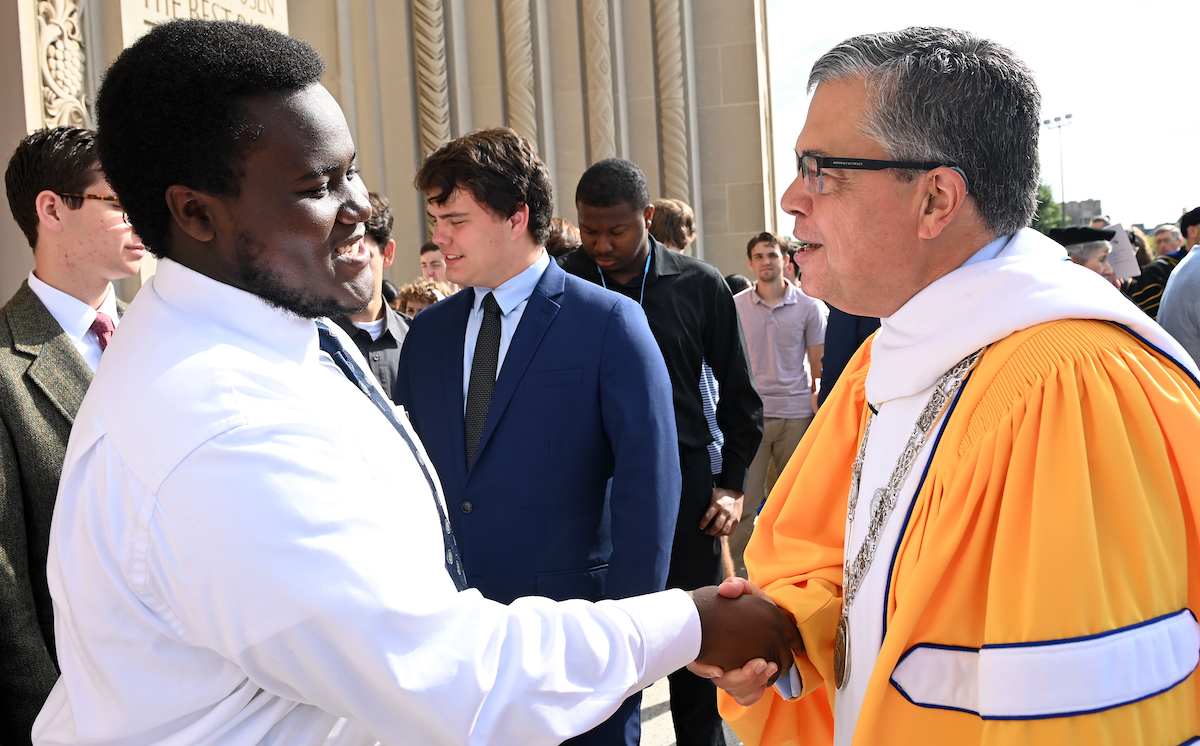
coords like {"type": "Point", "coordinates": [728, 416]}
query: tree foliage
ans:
{"type": "Point", "coordinates": [1049, 213]}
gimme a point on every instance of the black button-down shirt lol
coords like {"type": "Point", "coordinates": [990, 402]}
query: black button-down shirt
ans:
{"type": "Point", "coordinates": [383, 354]}
{"type": "Point", "coordinates": [693, 318]}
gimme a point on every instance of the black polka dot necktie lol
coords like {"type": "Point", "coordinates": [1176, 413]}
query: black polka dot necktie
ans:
{"type": "Point", "coordinates": [483, 376]}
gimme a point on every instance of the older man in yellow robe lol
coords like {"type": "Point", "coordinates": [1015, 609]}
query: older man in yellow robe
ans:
{"type": "Point", "coordinates": [989, 534]}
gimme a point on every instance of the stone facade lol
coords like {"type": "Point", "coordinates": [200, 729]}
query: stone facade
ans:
{"type": "Point", "coordinates": [680, 87]}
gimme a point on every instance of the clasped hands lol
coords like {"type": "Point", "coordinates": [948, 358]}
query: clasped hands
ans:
{"type": "Point", "coordinates": [747, 641]}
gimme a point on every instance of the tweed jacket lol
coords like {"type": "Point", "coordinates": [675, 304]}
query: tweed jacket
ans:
{"type": "Point", "coordinates": [42, 382]}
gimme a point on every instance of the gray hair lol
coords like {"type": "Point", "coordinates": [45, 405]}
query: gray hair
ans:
{"type": "Point", "coordinates": [1169, 228]}
{"type": "Point", "coordinates": [952, 97]}
{"type": "Point", "coordinates": [1081, 252]}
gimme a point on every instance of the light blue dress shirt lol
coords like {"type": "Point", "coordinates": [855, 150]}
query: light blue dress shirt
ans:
{"type": "Point", "coordinates": [512, 296]}
{"type": "Point", "coordinates": [990, 251]}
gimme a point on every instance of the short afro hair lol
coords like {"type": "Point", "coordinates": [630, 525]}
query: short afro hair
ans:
{"type": "Point", "coordinates": [172, 111]}
{"type": "Point", "coordinates": [60, 160]}
{"type": "Point", "coordinates": [612, 182]}
{"type": "Point", "coordinates": [499, 168]}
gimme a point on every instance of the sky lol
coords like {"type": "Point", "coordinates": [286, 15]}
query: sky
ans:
{"type": "Point", "coordinates": [1119, 69]}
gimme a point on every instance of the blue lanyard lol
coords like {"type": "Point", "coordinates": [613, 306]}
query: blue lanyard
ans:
{"type": "Point", "coordinates": [645, 271]}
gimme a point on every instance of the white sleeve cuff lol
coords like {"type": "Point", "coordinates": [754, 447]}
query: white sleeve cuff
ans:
{"type": "Point", "coordinates": [670, 628]}
{"type": "Point", "coordinates": [790, 686]}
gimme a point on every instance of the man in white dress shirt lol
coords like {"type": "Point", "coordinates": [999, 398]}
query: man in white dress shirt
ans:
{"type": "Point", "coordinates": [52, 333]}
{"type": "Point", "coordinates": [247, 549]}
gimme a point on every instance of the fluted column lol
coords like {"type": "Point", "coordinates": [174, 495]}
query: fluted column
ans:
{"type": "Point", "coordinates": [598, 77]}
{"type": "Point", "coordinates": [672, 102]}
{"type": "Point", "coordinates": [520, 97]}
{"type": "Point", "coordinates": [433, 85]}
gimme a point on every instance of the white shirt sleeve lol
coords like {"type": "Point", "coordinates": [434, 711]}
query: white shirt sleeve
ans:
{"type": "Point", "coordinates": [308, 579]}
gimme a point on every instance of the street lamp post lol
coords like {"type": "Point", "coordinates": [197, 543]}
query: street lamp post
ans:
{"type": "Point", "coordinates": [1057, 124]}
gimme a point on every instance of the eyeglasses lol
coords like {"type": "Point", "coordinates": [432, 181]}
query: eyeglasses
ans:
{"type": "Point", "coordinates": [103, 198]}
{"type": "Point", "coordinates": [812, 168]}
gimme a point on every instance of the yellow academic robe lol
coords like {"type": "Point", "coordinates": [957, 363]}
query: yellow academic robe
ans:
{"type": "Point", "coordinates": [1062, 501]}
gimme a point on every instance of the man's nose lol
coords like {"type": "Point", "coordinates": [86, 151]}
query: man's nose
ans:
{"type": "Point", "coordinates": [797, 200]}
{"type": "Point", "coordinates": [356, 209]}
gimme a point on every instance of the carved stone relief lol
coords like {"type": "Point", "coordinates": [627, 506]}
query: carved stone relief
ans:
{"type": "Point", "coordinates": [60, 56]}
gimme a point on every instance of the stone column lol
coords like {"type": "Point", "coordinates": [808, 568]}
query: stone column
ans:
{"type": "Point", "coordinates": [734, 127]}
{"type": "Point", "coordinates": [672, 101]}
{"type": "Point", "coordinates": [598, 77]}
{"type": "Point", "coordinates": [429, 68]}
{"type": "Point", "coordinates": [520, 100]}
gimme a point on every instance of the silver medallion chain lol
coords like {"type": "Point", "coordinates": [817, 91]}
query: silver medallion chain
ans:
{"type": "Point", "coordinates": [883, 501]}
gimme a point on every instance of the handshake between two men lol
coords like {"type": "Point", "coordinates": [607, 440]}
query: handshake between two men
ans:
{"type": "Point", "coordinates": [747, 641]}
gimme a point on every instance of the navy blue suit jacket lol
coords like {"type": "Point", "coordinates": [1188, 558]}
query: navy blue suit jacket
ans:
{"type": "Point", "coordinates": [582, 396]}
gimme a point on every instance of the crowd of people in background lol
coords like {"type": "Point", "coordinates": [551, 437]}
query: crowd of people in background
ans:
{"type": "Point", "coordinates": [686, 392]}
{"type": "Point", "coordinates": [794, 346]}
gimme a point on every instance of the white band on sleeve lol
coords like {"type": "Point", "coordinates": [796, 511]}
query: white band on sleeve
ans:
{"type": "Point", "coordinates": [1055, 678]}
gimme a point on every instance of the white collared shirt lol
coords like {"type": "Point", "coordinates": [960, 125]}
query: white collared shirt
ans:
{"type": "Point", "coordinates": [512, 296]}
{"type": "Point", "coordinates": [245, 551]}
{"type": "Point", "coordinates": [76, 317]}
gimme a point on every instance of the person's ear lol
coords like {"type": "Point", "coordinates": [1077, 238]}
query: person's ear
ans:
{"type": "Point", "coordinates": [389, 253]}
{"type": "Point", "coordinates": [193, 211]}
{"type": "Point", "coordinates": [944, 194]}
{"type": "Point", "coordinates": [649, 216]}
{"type": "Point", "coordinates": [50, 210]}
{"type": "Point", "coordinates": [519, 222]}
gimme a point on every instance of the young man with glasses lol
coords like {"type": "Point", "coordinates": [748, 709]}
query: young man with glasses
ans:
{"type": "Point", "coordinates": [52, 334]}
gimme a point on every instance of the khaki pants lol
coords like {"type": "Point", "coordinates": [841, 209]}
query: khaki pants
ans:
{"type": "Point", "coordinates": [779, 441]}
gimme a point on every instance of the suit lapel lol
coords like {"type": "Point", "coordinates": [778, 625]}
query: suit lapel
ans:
{"type": "Point", "coordinates": [452, 375]}
{"type": "Point", "coordinates": [57, 367]}
{"type": "Point", "coordinates": [536, 319]}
